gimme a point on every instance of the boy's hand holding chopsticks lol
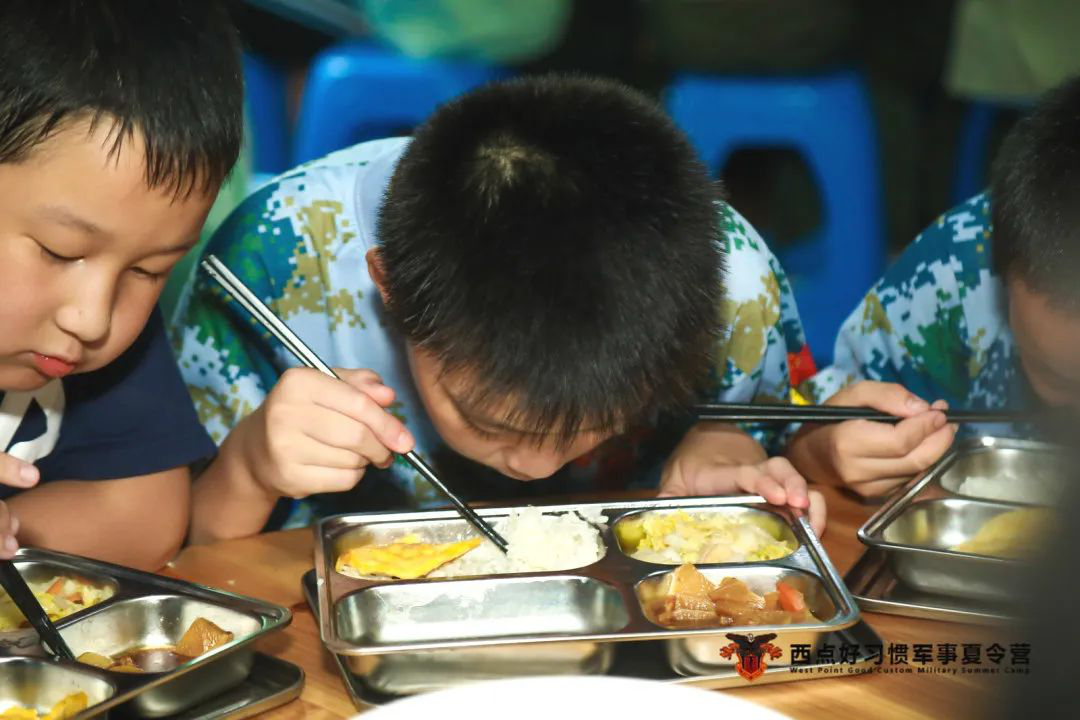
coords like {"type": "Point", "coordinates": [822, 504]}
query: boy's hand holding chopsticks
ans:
{"type": "Point", "coordinates": [317, 434]}
{"type": "Point", "coordinates": [873, 457]}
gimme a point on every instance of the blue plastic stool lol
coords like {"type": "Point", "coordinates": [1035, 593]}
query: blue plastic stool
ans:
{"type": "Point", "coordinates": [361, 91]}
{"type": "Point", "coordinates": [826, 118]}
{"type": "Point", "coordinates": [267, 109]}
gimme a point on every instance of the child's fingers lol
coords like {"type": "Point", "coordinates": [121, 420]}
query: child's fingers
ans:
{"type": "Point", "coordinates": [359, 376]}
{"type": "Point", "coordinates": [793, 484]}
{"type": "Point", "coordinates": [890, 398]}
{"type": "Point", "coordinates": [866, 439]}
{"type": "Point", "coordinates": [16, 472]}
{"type": "Point", "coordinates": [756, 480]}
{"type": "Point", "coordinates": [876, 488]}
{"type": "Point", "coordinates": [930, 450]}
{"type": "Point", "coordinates": [320, 479]}
{"type": "Point", "coordinates": [361, 408]}
{"type": "Point", "coordinates": [369, 383]}
{"type": "Point", "coordinates": [8, 527]}
{"type": "Point", "coordinates": [816, 513]}
{"type": "Point", "coordinates": [319, 454]}
{"type": "Point", "coordinates": [344, 434]}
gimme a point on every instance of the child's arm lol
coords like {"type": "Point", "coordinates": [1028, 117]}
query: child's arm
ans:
{"type": "Point", "coordinates": [139, 522]}
{"type": "Point", "coordinates": [720, 459]}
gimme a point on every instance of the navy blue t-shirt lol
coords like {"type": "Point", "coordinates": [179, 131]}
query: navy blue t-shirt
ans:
{"type": "Point", "coordinates": [132, 417]}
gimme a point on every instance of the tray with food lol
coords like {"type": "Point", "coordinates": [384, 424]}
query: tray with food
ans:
{"type": "Point", "coordinates": [416, 601]}
{"type": "Point", "coordinates": [963, 528]}
{"type": "Point", "coordinates": [647, 660]}
{"type": "Point", "coordinates": [156, 645]}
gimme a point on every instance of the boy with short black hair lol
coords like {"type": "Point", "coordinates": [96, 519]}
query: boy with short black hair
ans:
{"type": "Point", "coordinates": [979, 312]}
{"type": "Point", "coordinates": [539, 274]}
{"type": "Point", "coordinates": [118, 122]}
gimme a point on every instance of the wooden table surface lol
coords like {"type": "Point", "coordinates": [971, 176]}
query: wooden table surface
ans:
{"type": "Point", "coordinates": [269, 566]}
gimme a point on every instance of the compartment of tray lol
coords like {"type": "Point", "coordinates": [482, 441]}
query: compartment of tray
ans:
{"type": "Point", "coordinates": [388, 617]}
{"type": "Point", "coordinates": [24, 641]}
{"type": "Point", "coordinates": [918, 543]}
{"type": "Point", "coordinates": [773, 523]}
{"type": "Point", "coordinates": [40, 684]}
{"type": "Point", "coordinates": [159, 621]}
{"type": "Point", "coordinates": [446, 530]}
{"type": "Point", "coordinates": [699, 653]}
{"type": "Point", "coordinates": [1033, 470]}
{"type": "Point", "coordinates": [407, 613]}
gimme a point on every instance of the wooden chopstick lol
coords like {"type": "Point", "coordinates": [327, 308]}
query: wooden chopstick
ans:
{"type": "Point", "coordinates": [743, 412]}
{"type": "Point", "coordinates": [272, 323]}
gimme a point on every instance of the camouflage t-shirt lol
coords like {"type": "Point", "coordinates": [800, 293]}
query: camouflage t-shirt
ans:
{"type": "Point", "coordinates": [299, 243]}
{"type": "Point", "coordinates": [936, 323]}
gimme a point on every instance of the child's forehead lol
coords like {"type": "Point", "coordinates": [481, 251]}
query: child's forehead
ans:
{"type": "Point", "coordinates": [102, 155]}
{"type": "Point", "coordinates": [99, 149]}
{"type": "Point", "coordinates": [74, 186]}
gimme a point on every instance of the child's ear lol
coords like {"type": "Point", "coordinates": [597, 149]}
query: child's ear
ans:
{"type": "Point", "coordinates": [377, 273]}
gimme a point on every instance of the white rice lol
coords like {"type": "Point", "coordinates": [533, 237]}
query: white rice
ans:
{"type": "Point", "coordinates": [1035, 489]}
{"type": "Point", "coordinates": [538, 542]}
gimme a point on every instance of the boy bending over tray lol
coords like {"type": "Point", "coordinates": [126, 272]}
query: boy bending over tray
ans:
{"type": "Point", "coordinates": [979, 312]}
{"type": "Point", "coordinates": [118, 123]}
{"type": "Point", "coordinates": [533, 287]}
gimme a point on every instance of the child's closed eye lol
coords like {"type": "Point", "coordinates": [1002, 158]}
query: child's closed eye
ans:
{"type": "Point", "coordinates": [148, 274]}
{"type": "Point", "coordinates": [55, 256]}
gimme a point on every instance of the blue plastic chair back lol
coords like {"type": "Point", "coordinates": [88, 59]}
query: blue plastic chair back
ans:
{"type": "Point", "coordinates": [362, 91]}
{"type": "Point", "coordinates": [827, 119]}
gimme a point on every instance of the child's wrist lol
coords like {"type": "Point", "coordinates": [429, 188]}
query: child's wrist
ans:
{"type": "Point", "coordinates": [249, 467]}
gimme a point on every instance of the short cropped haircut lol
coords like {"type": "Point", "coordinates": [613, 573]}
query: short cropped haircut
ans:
{"type": "Point", "coordinates": [557, 239]}
{"type": "Point", "coordinates": [169, 70]}
{"type": "Point", "coordinates": [1035, 198]}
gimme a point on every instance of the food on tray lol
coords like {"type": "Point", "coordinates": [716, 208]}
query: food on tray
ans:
{"type": "Point", "coordinates": [68, 706]}
{"type": "Point", "coordinates": [537, 542]}
{"type": "Point", "coordinates": [201, 637]}
{"type": "Point", "coordinates": [60, 596]}
{"type": "Point", "coordinates": [408, 558]}
{"type": "Point", "coordinates": [690, 600]}
{"type": "Point", "coordinates": [1039, 489]}
{"type": "Point", "coordinates": [1014, 534]}
{"type": "Point", "coordinates": [682, 537]}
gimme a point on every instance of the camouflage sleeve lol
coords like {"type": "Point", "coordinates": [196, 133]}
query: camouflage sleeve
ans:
{"type": "Point", "coordinates": [913, 326]}
{"type": "Point", "coordinates": [763, 336]}
{"type": "Point", "coordinates": [226, 360]}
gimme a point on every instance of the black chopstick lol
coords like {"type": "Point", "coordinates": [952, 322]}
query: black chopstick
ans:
{"type": "Point", "coordinates": [24, 599]}
{"type": "Point", "coordinates": [277, 327]}
{"type": "Point", "coordinates": [743, 412]}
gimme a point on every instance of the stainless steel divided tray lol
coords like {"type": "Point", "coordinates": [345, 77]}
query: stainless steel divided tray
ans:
{"type": "Point", "coordinates": [144, 611]}
{"type": "Point", "coordinates": [918, 527]}
{"type": "Point", "coordinates": [409, 636]}
{"type": "Point", "coordinates": [647, 660]}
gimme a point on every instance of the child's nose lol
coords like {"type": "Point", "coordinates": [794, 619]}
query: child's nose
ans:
{"type": "Point", "coordinates": [533, 464]}
{"type": "Point", "coordinates": [87, 314]}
